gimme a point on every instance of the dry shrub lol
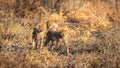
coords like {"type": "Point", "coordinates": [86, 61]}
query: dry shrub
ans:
{"type": "Point", "coordinates": [95, 15]}
{"type": "Point", "coordinates": [95, 46]}
{"type": "Point", "coordinates": [26, 8]}
{"type": "Point", "coordinates": [7, 4]}
{"type": "Point", "coordinates": [42, 58]}
{"type": "Point", "coordinates": [14, 34]}
{"type": "Point", "coordinates": [91, 17]}
{"type": "Point", "coordinates": [109, 46]}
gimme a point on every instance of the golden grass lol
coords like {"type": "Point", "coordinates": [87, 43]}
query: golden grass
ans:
{"type": "Point", "coordinates": [96, 35]}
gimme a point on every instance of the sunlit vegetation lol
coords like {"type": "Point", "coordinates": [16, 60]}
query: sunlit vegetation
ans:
{"type": "Point", "coordinates": [91, 27]}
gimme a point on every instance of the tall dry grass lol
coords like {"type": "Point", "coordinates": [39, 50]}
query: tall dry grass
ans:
{"type": "Point", "coordinates": [96, 43]}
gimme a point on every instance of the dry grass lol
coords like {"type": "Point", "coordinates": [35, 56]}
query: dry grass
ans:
{"type": "Point", "coordinates": [94, 26]}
